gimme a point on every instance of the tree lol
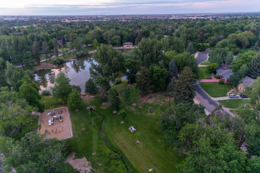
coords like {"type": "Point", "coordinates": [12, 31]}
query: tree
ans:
{"type": "Point", "coordinates": [186, 59]}
{"type": "Point", "coordinates": [185, 87]}
{"type": "Point", "coordinates": [30, 92]}
{"type": "Point", "coordinates": [158, 76]}
{"type": "Point", "coordinates": [114, 99]}
{"type": "Point", "coordinates": [242, 59]}
{"type": "Point", "coordinates": [55, 47]}
{"type": "Point", "coordinates": [75, 100]}
{"type": "Point", "coordinates": [171, 86]}
{"type": "Point", "coordinates": [109, 61]}
{"type": "Point", "coordinates": [222, 44]}
{"type": "Point", "coordinates": [149, 52]}
{"type": "Point", "coordinates": [173, 71]}
{"type": "Point", "coordinates": [122, 112]}
{"type": "Point", "coordinates": [190, 48]}
{"type": "Point", "coordinates": [104, 86]}
{"type": "Point", "coordinates": [62, 87]}
{"type": "Point", "coordinates": [34, 153]}
{"type": "Point", "coordinates": [132, 67]}
{"type": "Point", "coordinates": [143, 80]}
{"type": "Point", "coordinates": [220, 56]}
{"type": "Point", "coordinates": [176, 117]}
{"type": "Point", "coordinates": [254, 67]}
{"type": "Point", "coordinates": [134, 94]}
{"type": "Point", "coordinates": [13, 75]}
{"type": "Point", "coordinates": [253, 92]}
{"type": "Point", "coordinates": [95, 43]}
{"type": "Point", "coordinates": [91, 87]}
{"type": "Point", "coordinates": [212, 67]}
{"type": "Point", "coordinates": [45, 49]}
{"type": "Point", "coordinates": [77, 43]}
{"type": "Point", "coordinates": [76, 87]}
{"type": "Point", "coordinates": [36, 52]}
{"type": "Point", "coordinates": [237, 76]}
{"type": "Point", "coordinates": [14, 112]}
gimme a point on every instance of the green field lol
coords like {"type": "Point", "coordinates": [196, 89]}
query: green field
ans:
{"type": "Point", "coordinates": [233, 103]}
{"type": "Point", "coordinates": [216, 90]}
{"type": "Point", "coordinates": [149, 153]}
{"type": "Point", "coordinates": [244, 50]}
{"type": "Point", "coordinates": [205, 73]}
{"type": "Point", "coordinates": [205, 63]}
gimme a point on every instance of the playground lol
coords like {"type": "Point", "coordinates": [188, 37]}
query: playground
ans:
{"type": "Point", "coordinates": [56, 123]}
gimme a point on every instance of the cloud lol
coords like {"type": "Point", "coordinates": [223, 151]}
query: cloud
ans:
{"type": "Point", "coordinates": [114, 7]}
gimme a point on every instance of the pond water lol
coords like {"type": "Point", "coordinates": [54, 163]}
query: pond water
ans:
{"type": "Point", "coordinates": [77, 71]}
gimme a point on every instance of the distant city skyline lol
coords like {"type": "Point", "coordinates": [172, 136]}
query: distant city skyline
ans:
{"type": "Point", "coordinates": [124, 7]}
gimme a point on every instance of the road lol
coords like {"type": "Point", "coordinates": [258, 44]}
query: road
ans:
{"type": "Point", "coordinates": [201, 95]}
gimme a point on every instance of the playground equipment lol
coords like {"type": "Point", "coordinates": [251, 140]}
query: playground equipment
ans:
{"type": "Point", "coordinates": [53, 116]}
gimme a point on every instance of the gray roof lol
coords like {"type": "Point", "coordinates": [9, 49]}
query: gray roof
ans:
{"type": "Point", "coordinates": [128, 43]}
{"type": "Point", "coordinates": [225, 73]}
{"type": "Point", "coordinates": [247, 81]}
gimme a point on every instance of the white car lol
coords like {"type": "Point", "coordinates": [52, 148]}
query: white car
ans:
{"type": "Point", "coordinates": [233, 96]}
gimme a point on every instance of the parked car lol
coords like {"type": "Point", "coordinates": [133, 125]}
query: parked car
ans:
{"type": "Point", "coordinates": [233, 96]}
{"type": "Point", "coordinates": [243, 96]}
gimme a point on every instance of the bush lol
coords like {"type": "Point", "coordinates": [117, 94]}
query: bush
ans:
{"type": "Point", "coordinates": [201, 47]}
{"type": "Point", "coordinates": [46, 93]}
{"type": "Point", "coordinates": [118, 81]}
{"type": "Point", "coordinates": [217, 76]}
{"type": "Point", "coordinates": [212, 67]}
{"type": "Point", "coordinates": [221, 81]}
{"type": "Point", "coordinates": [58, 61]}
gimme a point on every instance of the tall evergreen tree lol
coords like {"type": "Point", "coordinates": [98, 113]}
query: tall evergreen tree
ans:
{"type": "Point", "coordinates": [190, 48]}
{"type": "Point", "coordinates": [185, 88]}
{"type": "Point", "coordinates": [254, 67]}
{"type": "Point", "coordinates": [173, 71]}
{"type": "Point", "coordinates": [36, 52]}
{"type": "Point", "coordinates": [143, 80]}
{"type": "Point", "coordinates": [114, 99]}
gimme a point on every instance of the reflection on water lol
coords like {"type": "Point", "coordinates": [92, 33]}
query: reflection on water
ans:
{"type": "Point", "coordinates": [77, 71]}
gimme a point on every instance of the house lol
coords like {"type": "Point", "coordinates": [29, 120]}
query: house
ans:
{"type": "Point", "coordinates": [247, 81]}
{"type": "Point", "coordinates": [224, 72]}
{"type": "Point", "coordinates": [128, 44]}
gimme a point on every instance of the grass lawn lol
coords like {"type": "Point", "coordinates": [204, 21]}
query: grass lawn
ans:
{"type": "Point", "coordinates": [233, 103]}
{"type": "Point", "coordinates": [216, 90]}
{"type": "Point", "coordinates": [149, 153]}
{"type": "Point", "coordinates": [244, 50]}
{"type": "Point", "coordinates": [205, 63]}
{"type": "Point", "coordinates": [205, 73]}
{"type": "Point", "coordinates": [51, 101]}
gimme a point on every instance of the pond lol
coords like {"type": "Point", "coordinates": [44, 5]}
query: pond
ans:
{"type": "Point", "coordinates": [77, 71]}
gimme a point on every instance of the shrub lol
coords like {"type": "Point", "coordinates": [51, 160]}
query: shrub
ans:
{"type": "Point", "coordinates": [221, 81]}
{"type": "Point", "coordinates": [118, 81]}
{"type": "Point", "coordinates": [46, 93]}
{"type": "Point", "coordinates": [57, 61]}
{"type": "Point", "coordinates": [201, 47]}
{"type": "Point", "coordinates": [212, 67]}
{"type": "Point", "coordinates": [217, 76]}
{"type": "Point", "coordinates": [122, 112]}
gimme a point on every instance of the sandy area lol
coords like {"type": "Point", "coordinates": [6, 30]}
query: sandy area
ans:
{"type": "Point", "coordinates": [82, 165]}
{"type": "Point", "coordinates": [59, 130]}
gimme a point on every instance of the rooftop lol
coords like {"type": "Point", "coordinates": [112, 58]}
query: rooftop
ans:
{"type": "Point", "coordinates": [247, 81]}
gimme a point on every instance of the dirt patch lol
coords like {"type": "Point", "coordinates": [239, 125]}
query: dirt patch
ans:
{"type": "Point", "coordinates": [151, 97]}
{"type": "Point", "coordinates": [43, 66]}
{"type": "Point", "coordinates": [82, 165]}
{"type": "Point", "coordinates": [59, 130]}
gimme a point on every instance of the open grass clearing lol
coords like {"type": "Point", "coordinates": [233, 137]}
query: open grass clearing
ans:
{"type": "Point", "coordinates": [244, 50]}
{"type": "Point", "coordinates": [216, 90]}
{"type": "Point", "coordinates": [205, 73]}
{"type": "Point", "coordinates": [235, 103]}
{"type": "Point", "coordinates": [205, 63]}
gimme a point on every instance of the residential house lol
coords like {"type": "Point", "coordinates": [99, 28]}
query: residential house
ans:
{"type": "Point", "coordinates": [224, 72]}
{"type": "Point", "coordinates": [246, 81]}
{"type": "Point", "coordinates": [128, 44]}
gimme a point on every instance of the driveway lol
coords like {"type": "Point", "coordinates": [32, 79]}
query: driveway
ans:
{"type": "Point", "coordinates": [201, 56]}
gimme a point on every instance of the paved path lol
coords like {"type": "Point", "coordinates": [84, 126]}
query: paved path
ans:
{"type": "Point", "coordinates": [210, 80]}
{"type": "Point", "coordinates": [201, 56]}
{"type": "Point", "coordinates": [227, 98]}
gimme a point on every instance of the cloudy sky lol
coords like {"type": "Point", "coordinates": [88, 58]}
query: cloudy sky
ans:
{"type": "Point", "coordinates": [114, 7]}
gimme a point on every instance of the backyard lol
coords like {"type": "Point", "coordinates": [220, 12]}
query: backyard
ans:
{"type": "Point", "coordinates": [205, 63]}
{"type": "Point", "coordinates": [149, 153]}
{"type": "Point", "coordinates": [216, 90]}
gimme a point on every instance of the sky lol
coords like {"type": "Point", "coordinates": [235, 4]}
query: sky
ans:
{"type": "Point", "coordinates": [124, 7]}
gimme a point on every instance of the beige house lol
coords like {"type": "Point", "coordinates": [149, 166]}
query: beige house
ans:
{"type": "Point", "coordinates": [247, 81]}
{"type": "Point", "coordinates": [128, 44]}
